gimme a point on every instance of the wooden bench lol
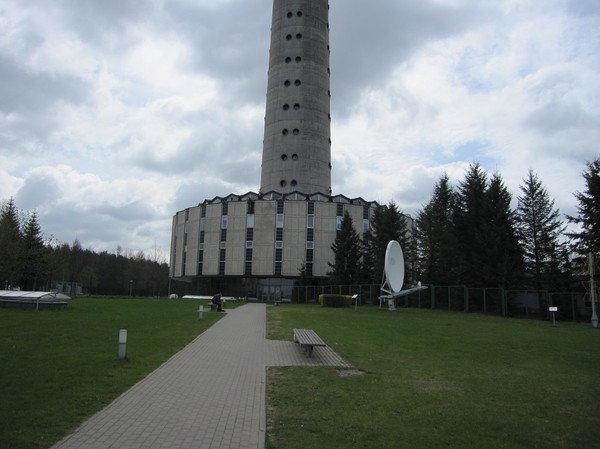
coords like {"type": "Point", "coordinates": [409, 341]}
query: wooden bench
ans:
{"type": "Point", "coordinates": [308, 339]}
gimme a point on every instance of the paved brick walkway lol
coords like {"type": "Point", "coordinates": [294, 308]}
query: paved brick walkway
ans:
{"type": "Point", "coordinates": [209, 395]}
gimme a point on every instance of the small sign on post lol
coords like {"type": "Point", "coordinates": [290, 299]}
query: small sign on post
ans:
{"type": "Point", "coordinates": [200, 312]}
{"type": "Point", "coordinates": [122, 344]}
{"type": "Point", "coordinates": [553, 310]}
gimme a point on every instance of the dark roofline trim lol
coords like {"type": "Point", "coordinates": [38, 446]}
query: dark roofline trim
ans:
{"type": "Point", "coordinates": [274, 195]}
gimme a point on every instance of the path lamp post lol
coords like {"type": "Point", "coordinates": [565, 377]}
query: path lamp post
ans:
{"type": "Point", "coordinates": [130, 287]}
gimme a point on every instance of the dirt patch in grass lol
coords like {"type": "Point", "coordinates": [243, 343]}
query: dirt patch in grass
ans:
{"type": "Point", "coordinates": [349, 372]}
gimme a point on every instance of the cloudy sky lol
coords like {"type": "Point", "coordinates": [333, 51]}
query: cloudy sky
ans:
{"type": "Point", "coordinates": [115, 114]}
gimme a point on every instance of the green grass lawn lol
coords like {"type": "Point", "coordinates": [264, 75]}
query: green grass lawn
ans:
{"type": "Point", "coordinates": [58, 367]}
{"type": "Point", "coordinates": [436, 380]}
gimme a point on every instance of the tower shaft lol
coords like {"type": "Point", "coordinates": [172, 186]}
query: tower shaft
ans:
{"type": "Point", "coordinates": [297, 140]}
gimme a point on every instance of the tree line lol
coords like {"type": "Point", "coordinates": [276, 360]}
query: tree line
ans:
{"type": "Point", "coordinates": [471, 235]}
{"type": "Point", "coordinates": [30, 262]}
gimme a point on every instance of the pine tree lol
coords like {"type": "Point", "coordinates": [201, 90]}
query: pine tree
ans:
{"type": "Point", "coordinates": [347, 250]}
{"type": "Point", "coordinates": [11, 246]}
{"type": "Point", "coordinates": [435, 242]}
{"type": "Point", "coordinates": [588, 212]}
{"type": "Point", "coordinates": [540, 229]}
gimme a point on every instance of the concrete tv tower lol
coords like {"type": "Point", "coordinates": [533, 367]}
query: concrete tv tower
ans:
{"type": "Point", "coordinates": [257, 245]}
{"type": "Point", "coordinates": [297, 141]}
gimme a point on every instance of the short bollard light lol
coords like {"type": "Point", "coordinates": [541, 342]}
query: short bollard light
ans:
{"type": "Point", "coordinates": [122, 343]}
{"type": "Point", "coordinates": [200, 312]}
{"type": "Point", "coordinates": [553, 310]}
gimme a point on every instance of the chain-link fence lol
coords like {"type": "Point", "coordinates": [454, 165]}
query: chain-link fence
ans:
{"type": "Point", "coordinates": [574, 306]}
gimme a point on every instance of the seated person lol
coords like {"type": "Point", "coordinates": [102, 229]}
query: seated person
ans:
{"type": "Point", "coordinates": [216, 300]}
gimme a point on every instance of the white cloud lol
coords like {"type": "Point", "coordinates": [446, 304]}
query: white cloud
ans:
{"type": "Point", "coordinates": [116, 114]}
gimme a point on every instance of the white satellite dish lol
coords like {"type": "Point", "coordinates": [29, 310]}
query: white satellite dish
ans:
{"type": "Point", "coordinates": [394, 266]}
{"type": "Point", "coordinates": [393, 276]}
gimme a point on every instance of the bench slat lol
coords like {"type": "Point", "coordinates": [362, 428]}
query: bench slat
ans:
{"type": "Point", "coordinates": [308, 337]}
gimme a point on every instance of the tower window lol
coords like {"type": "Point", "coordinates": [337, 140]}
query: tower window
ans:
{"type": "Point", "coordinates": [284, 157]}
{"type": "Point", "coordinates": [285, 132]}
{"type": "Point", "coordinates": [299, 13]}
{"type": "Point", "coordinates": [283, 183]}
{"type": "Point", "coordinates": [294, 183]}
{"type": "Point", "coordinates": [287, 83]}
{"type": "Point", "coordinates": [298, 59]}
{"type": "Point", "coordinates": [296, 131]}
{"type": "Point", "coordinates": [289, 37]}
{"type": "Point", "coordinates": [290, 15]}
{"type": "Point", "coordinates": [299, 36]}
{"type": "Point", "coordinates": [297, 106]}
{"type": "Point", "coordinates": [286, 107]}
{"type": "Point", "coordinates": [297, 83]}
{"type": "Point", "coordinates": [288, 60]}
{"type": "Point", "coordinates": [294, 157]}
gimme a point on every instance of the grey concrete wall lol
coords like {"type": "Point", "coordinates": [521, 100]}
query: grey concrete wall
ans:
{"type": "Point", "coordinates": [297, 137]}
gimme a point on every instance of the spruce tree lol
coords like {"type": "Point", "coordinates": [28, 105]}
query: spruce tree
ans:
{"type": "Point", "coordinates": [347, 250]}
{"type": "Point", "coordinates": [435, 237]}
{"type": "Point", "coordinates": [469, 230]}
{"type": "Point", "coordinates": [588, 212]}
{"type": "Point", "coordinates": [502, 255]}
{"type": "Point", "coordinates": [388, 223]}
{"type": "Point", "coordinates": [11, 246]}
{"type": "Point", "coordinates": [540, 229]}
{"type": "Point", "coordinates": [34, 252]}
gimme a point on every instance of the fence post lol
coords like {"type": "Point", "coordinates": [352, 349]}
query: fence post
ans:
{"type": "Point", "coordinates": [484, 301]}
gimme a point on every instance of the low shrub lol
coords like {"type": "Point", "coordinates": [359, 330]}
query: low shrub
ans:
{"type": "Point", "coordinates": [327, 300]}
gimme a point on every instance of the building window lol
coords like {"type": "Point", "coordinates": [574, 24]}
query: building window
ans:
{"type": "Point", "coordinates": [285, 132]}
{"type": "Point", "coordinates": [283, 183]}
{"type": "Point", "coordinates": [287, 83]}
{"type": "Point", "coordinates": [203, 224]}
{"type": "Point", "coordinates": [224, 222]}
{"type": "Point", "coordinates": [279, 221]}
{"type": "Point", "coordinates": [294, 183]}
{"type": "Point", "coordinates": [298, 59]}
{"type": "Point", "coordinates": [279, 234]}
{"type": "Point", "coordinates": [310, 221]}
{"type": "Point", "coordinates": [338, 223]}
{"type": "Point", "coordinates": [296, 131]}
{"type": "Point", "coordinates": [299, 36]}
{"type": "Point", "coordinates": [297, 83]}
{"type": "Point", "coordinates": [290, 15]}
{"type": "Point", "coordinates": [284, 157]}
{"type": "Point", "coordinates": [294, 157]}
{"type": "Point", "coordinates": [222, 245]}
{"type": "Point", "coordinates": [286, 107]}
{"type": "Point", "coordinates": [310, 245]}
{"type": "Point", "coordinates": [297, 106]}
{"type": "Point", "coordinates": [299, 13]}
{"type": "Point", "coordinates": [365, 225]}
{"type": "Point", "coordinates": [289, 37]}
{"type": "Point", "coordinates": [249, 244]}
{"type": "Point", "coordinates": [250, 221]}
{"type": "Point", "coordinates": [279, 244]}
{"type": "Point", "coordinates": [288, 60]}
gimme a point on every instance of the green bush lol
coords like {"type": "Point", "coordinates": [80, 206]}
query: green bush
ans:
{"type": "Point", "coordinates": [335, 300]}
